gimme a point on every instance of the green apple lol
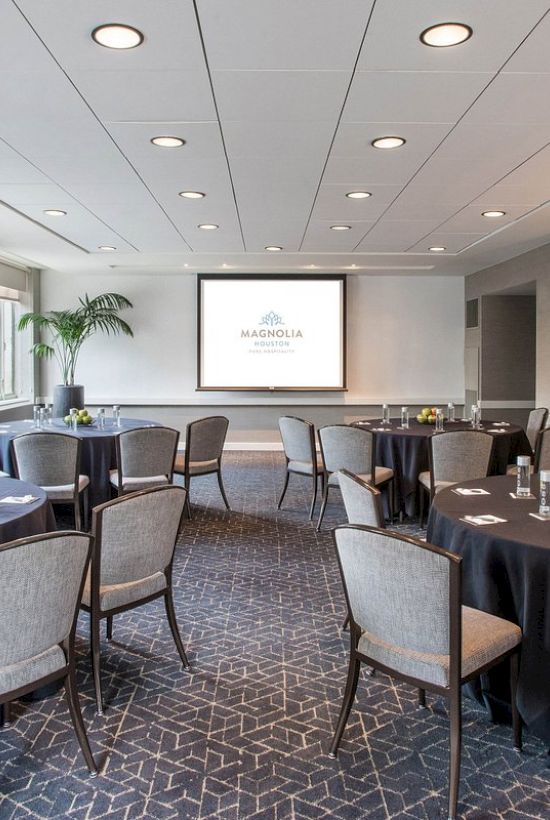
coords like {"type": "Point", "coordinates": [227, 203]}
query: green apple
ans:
{"type": "Point", "coordinates": [67, 419]}
{"type": "Point", "coordinates": [421, 418]}
{"type": "Point", "coordinates": [426, 411]}
{"type": "Point", "coordinates": [87, 420]}
{"type": "Point", "coordinates": [431, 418]}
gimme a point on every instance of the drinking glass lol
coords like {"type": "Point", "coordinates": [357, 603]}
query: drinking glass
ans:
{"type": "Point", "coordinates": [524, 476]}
{"type": "Point", "coordinates": [42, 417]}
{"type": "Point", "coordinates": [385, 414]}
{"type": "Point", "coordinates": [74, 418]}
{"type": "Point", "coordinates": [101, 418]}
{"type": "Point", "coordinates": [475, 416]}
{"type": "Point", "coordinates": [439, 420]}
{"type": "Point", "coordinates": [116, 415]}
{"type": "Point", "coordinates": [450, 412]}
{"type": "Point", "coordinates": [48, 414]}
{"type": "Point", "coordinates": [544, 500]}
{"type": "Point", "coordinates": [36, 416]}
{"type": "Point", "coordinates": [405, 417]}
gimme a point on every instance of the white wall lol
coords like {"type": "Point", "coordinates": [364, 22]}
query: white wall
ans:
{"type": "Point", "coordinates": [405, 346]}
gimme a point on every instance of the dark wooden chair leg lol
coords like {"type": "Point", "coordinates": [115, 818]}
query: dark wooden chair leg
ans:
{"type": "Point", "coordinates": [421, 504]}
{"type": "Point", "coordinates": [5, 714]}
{"type": "Point", "coordinates": [171, 614]}
{"type": "Point", "coordinates": [314, 496]}
{"type": "Point", "coordinates": [77, 518]}
{"type": "Point", "coordinates": [96, 661]}
{"type": "Point", "coordinates": [323, 506]}
{"type": "Point", "coordinates": [187, 502]}
{"type": "Point", "coordinates": [349, 694]}
{"type": "Point", "coordinates": [455, 742]}
{"type": "Point", "coordinates": [109, 627]}
{"type": "Point", "coordinates": [422, 698]}
{"type": "Point", "coordinates": [346, 623]}
{"type": "Point", "coordinates": [516, 717]}
{"type": "Point", "coordinates": [222, 490]}
{"type": "Point", "coordinates": [287, 476]}
{"type": "Point", "coordinates": [78, 723]}
{"type": "Point", "coordinates": [86, 507]}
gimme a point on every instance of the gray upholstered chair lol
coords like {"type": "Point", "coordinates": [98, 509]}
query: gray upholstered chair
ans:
{"type": "Point", "coordinates": [542, 450]}
{"type": "Point", "coordinates": [132, 562]}
{"type": "Point", "coordinates": [301, 456]}
{"type": "Point", "coordinates": [455, 456]}
{"type": "Point", "coordinates": [204, 442]}
{"type": "Point", "coordinates": [353, 449]}
{"type": "Point", "coordinates": [535, 424]}
{"type": "Point", "coordinates": [52, 461]}
{"type": "Point", "coordinates": [145, 458]}
{"type": "Point", "coordinates": [404, 599]}
{"type": "Point", "coordinates": [42, 580]}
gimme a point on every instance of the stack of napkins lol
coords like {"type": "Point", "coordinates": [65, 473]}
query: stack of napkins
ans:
{"type": "Point", "coordinates": [471, 491]}
{"type": "Point", "coordinates": [481, 520]}
{"type": "Point", "coordinates": [18, 499]}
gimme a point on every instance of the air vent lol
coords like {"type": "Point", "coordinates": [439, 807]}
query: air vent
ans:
{"type": "Point", "coordinates": [472, 313]}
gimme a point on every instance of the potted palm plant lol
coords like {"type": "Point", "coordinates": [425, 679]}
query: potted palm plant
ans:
{"type": "Point", "coordinates": [68, 330]}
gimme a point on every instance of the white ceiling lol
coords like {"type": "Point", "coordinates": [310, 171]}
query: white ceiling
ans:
{"type": "Point", "coordinates": [278, 101]}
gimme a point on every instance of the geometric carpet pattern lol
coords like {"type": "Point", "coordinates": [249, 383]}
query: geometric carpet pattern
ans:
{"type": "Point", "coordinates": [244, 735]}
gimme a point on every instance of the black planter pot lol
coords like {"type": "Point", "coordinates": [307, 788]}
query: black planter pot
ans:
{"type": "Point", "coordinates": [66, 396]}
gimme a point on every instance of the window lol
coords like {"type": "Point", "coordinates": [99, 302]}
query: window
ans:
{"type": "Point", "coordinates": [7, 349]}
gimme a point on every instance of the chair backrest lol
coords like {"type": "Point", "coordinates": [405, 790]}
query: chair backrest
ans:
{"type": "Point", "coordinates": [147, 451]}
{"type": "Point", "coordinates": [349, 448]}
{"type": "Point", "coordinates": [46, 459]}
{"type": "Point", "coordinates": [403, 592]}
{"type": "Point", "coordinates": [460, 455]}
{"type": "Point", "coordinates": [205, 438]}
{"type": "Point", "coordinates": [542, 450]}
{"type": "Point", "coordinates": [535, 423]}
{"type": "Point", "coordinates": [42, 580]}
{"type": "Point", "coordinates": [298, 438]}
{"type": "Point", "coordinates": [362, 502]}
{"type": "Point", "coordinates": [136, 534]}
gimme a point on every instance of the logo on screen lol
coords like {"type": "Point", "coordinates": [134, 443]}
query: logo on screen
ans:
{"type": "Point", "coordinates": [272, 319]}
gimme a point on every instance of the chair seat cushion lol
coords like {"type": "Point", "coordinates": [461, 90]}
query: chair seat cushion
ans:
{"type": "Point", "coordinates": [112, 596]}
{"type": "Point", "coordinates": [424, 479]}
{"type": "Point", "coordinates": [381, 475]}
{"type": "Point", "coordinates": [195, 467]}
{"type": "Point", "coordinates": [134, 483]}
{"type": "Point", "coordinates": [65, 492]}
{"type": "Point", "coordinates": [484, 638]}
{"type": "Point", "coordinates": [305, 467]}
{"type": "Point", "coordinates": [26, 672]}
{"type": "Point", "coordinates": [512, 469]}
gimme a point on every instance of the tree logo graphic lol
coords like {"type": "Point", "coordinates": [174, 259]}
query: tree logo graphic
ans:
{"type": "Point", "coordinates": [272, 319]}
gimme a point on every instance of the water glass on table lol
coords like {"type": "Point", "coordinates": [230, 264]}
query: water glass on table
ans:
{"type": "Point", "coordinates": [544, 499]}
{"type": "Point", "coordinates": [451, 412]}
{"type": "Point", "coordinates": [439, 420]}
{"type": "Point", "coordinates": [385, 414]}
{"type": "Point", "coordinates": [116, 415]}
{"type": "Point", "coordinates": [74, 418]}
{"type": "Point", "coordinates": [101, 418]}
{"type": "Point", "coordinates": [404, 418]}
{"type": "Point", "coordinates": [36, 416]}
{"type": "Point", "coordinates": [523, 476]}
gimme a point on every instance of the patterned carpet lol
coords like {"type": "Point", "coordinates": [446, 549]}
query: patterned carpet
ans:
{"type": "Point", "coordinates": [245, 734]}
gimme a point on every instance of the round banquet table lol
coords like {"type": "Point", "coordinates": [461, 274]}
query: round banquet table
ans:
{"type": "Point", "coordinates": [505, 571]}
{"type": "Point", "coordinates": [407, 452]}
{"type": "Point", "coordinates": [98, 454]}
{"type": "Point", "coordinates": [21, 520]}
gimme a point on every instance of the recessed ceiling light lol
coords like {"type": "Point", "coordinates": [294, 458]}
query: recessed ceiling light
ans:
{"type": "Point", "coordinates": [493, 214]}
{"type": "Point", "coordinates": [55, 212]}
{"type": "Point", "coordinates": [273, 248]}
{"type": "Point", "coordinates": [446, 34]}
{"type": "Point", "coordinates": [358, 195]}
{"type": "Point", "coordinates": [185, 265]}
{"type": "Point", "coordinates": [388, 142]}
{"type": "Point", "coordinates": [192, 194]}
{"type": "Point", "coordinates": [208, 227]}
{"type": "Point", "coordinates": [438, 248]}
{"type": "Point", "coordinates": [117, 35]}
{"type": "Point", "coordinates": [107, 248]}
{"type": "Point", "coordinates": [340, 227]}
{"type": "Point", "coordinates": [168, 142]}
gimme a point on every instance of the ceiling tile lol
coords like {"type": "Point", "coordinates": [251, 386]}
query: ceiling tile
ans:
{"type": "Point", "coordinates": [261, 34]}
{"type": "Point", "coordinates": [396, 235]}
{"type": "Point", "coordinates": [470, 220]}
{"type": "Point", "coordinates": [412, 96]}
{"type": "Point", "coordinates": [453, 242]}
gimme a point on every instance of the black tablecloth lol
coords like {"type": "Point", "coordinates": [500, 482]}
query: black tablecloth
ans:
{"type": "Point", "coordinates": [98, 449]}
{"type": "Point", "coordinates": [21, 520]}
{"type": "Point", "coordinates": [506, 571]}
{"type": "Point", "coordinates": [406, 452]}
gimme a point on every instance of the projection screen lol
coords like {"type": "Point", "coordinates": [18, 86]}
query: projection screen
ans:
{"type": "Point", "coordinates": [269, 332]}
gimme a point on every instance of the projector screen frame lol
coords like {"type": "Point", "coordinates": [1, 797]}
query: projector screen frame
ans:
{"type": "Point", "coordinates": [340, 277]}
